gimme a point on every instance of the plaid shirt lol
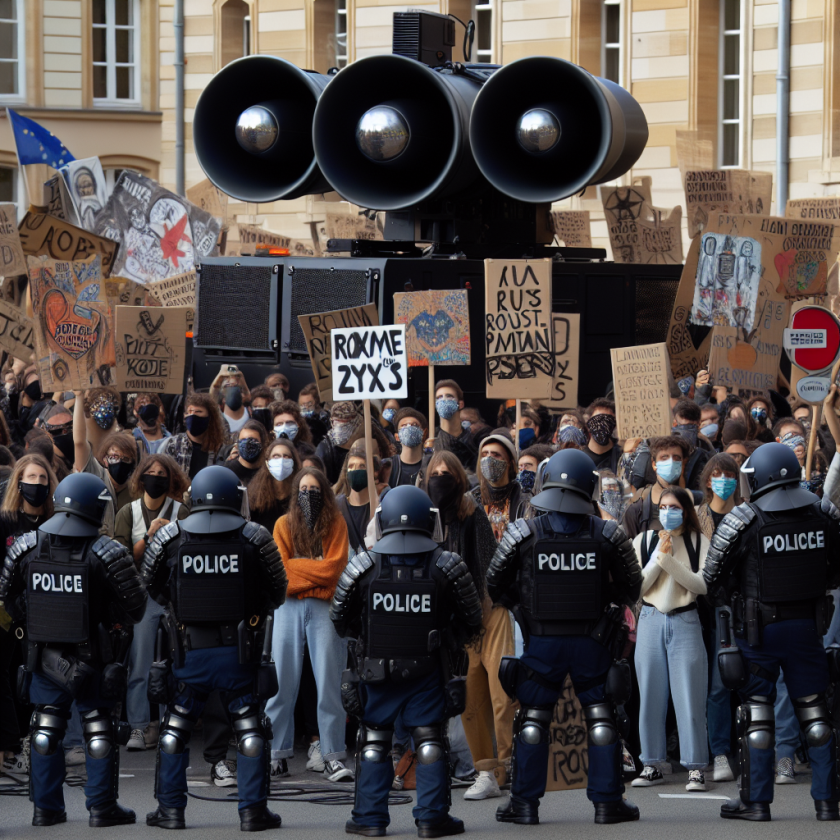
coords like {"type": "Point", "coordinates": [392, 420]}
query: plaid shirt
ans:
{"type": "Point", "coordinates": [180, 447]}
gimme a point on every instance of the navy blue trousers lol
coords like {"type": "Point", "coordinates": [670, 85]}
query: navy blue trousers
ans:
{"type": "Point", "coordinates": [795, 647]}
{"type": "Point", "coordinates": [587, 661]}
{"type": "Point", "coordinates": [204, 671]}
{"type": "Point", "coordinates": [419, 703]}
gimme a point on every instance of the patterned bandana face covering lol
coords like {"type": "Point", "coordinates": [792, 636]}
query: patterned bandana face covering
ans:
{"type": "Point", "coordinates": [526, 479]}
{"type": "Point", "coordinates": [341, 432]}
{"type": "Point", "coordinates": [446, 408]}
{"type": "Point", "coordinates": [103, 412]}
{"type": "Point", "coordinates": [410, 436]}
{"type": "Point", "coordinates": [493, 468]}
{"type": "Point", "coordinates": [249, 449]}
{"type": "Point", "coordinates": [311, 504]}
{"type": "Point", "coordinates": [571, 434]}
{"type": "Point", "coordinates": [287, 430]}
{"type": "Point", "coordinates": [612, 501]}
{"type": "Point", "coordinates": [601, 427]}
{"type": "Point", "coordinates": [389, 414]}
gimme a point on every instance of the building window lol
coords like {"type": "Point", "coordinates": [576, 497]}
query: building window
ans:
{"type": "Point", "coordinates": [116, 50]}
{"type": "Point", "coordinates": [729, 136]}
{"type": "Point", "coordinates": [340, 34]}
{"type": "Point", "coordinates": [9, 187]}
{"type": "Point", "coordinates": [236, 31]}
{"type": "Point", "coordinates": [611, 52]}
{"type": "Point", "coordinates": [483, 48]}
{"type": "Point", "coordinates": [12, 49]}
{"type": "Point", "coordinates": [111, 178]}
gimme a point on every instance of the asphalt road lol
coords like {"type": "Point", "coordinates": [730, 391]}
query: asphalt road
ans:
{"type": "Point", "coordinates": [662, 816]}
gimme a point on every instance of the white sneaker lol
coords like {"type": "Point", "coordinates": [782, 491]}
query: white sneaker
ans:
{"type": "Point", "coordinates": [74, 757]}
{"type": "Point", "coordinates": [696, 780]}
{"type": "Point", "coordinates": [223, 773]}
{"type": "Point", "coordinates": [649, 776]}
{"type": "Point", "coordinates": [315, 762]}
{"type": "Point", "coordinates": [785, 774]}
{"type": "Point", "coordinates": [335, 771]}
{"type": "Point", "coordinates": [144, 739]}
{"type": "Point", "coordinates": [279, 768]}
{"type": "Point", "coordinates": [722, 770]}
{"type": "Point", "coordinates": [485, 786]}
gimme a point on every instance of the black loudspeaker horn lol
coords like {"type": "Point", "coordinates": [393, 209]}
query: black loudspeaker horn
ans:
{"type": "Point", "coordinates": [543, 128]}
{"type": "Point", "coordinates": [390, 132]}
{"type": "Point", "coordinates": [252, 129]}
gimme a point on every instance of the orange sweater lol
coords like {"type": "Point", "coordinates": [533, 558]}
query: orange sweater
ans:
{"type": "Point", "coordinates": [310, 578]}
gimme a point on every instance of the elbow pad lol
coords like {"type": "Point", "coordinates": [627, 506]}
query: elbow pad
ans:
{"type": "Point", "coordinates": [156, 553]}
{"type": "Point", "coordinates": [21, 546]}
{"type": "Point", "coordinates": [342, 602]}
{"type": "Point", "coordinates": [270, 559]}
{"type": "Point", "coordinates": [123, 576]}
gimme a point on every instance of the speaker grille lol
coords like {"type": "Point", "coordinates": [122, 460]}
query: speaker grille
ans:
{"type": "Point", "coordinates": [406, 35]}
{"type": "Point", "coordinates": [234, 307]}
{"type": "Point", "coordinates": [654, 302]}
{"type": "Point", "coordinates": [322, 290]}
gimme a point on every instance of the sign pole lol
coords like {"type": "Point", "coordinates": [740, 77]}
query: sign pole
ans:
{"type": "Point", "coordinates": [369, 459]}
{"type": "Point", "coordinates": [816, 418]}
{"type": "Point", "coordinates": [431, 431]}
{"type": "Point", "coordinates": [518, 425]}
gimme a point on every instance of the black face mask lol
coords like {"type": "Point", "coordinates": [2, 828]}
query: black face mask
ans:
{"type": "Point", "coordinates": [149, 413]}
{"type": "Point", "coordinates": [35, 494]}
{"type": "Point", "coordinates": [155, 485]}
{"type": "Point", "coordinates": [442, 490]}
{"type": "Point", "coordinates": [233, 398]}
{"type": "Point", "coordinates": [196, 425]}
{"type": "Point", "coordinates": [264, 416]}
{"type": "Point", "coordinates": [311, 504]}
{"type": "Point", "coordinates": [65, 446]}
{"type": "Point", "coordinates": [121, 471]}
{"type": "Point", "coordinates": [33, 391]}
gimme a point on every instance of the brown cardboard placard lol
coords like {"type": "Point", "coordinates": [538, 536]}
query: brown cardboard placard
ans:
{"type": "Point", "coordinates": [16, 331]}
{"type": "Point", "coordinates": [210, 199]}
{"type": "Point", "coordinates": [568, 752]}
{"type": "Point", "coordinates": [822, 208]}
{"type": "Point", "coordinates": [351, 225]}
{"type": "Point", "coordinates": [709, 192]}
{"type": "Point", "coordinates": [642, 394]}
{"type": "Point", "coordinates": [654, 237]}
{"type": "Point", "coordinates": [572, 227]}
{"type": "Point", "coordinates": [56, 199]}
{"type": "Point", "coordinates": [150, 347]}
{"type": "Point", "coordinates": [317, 327]}
{"type": "Point", "coordinates": [175, 291]}
{"type": "Point", "coordinates": [564, 387]}
{"type": "Point", "coordinates": [250, 236]}
{"type": "Point", "coordinates": [120, 291]}
{"type": "Point", "coordinates": [437, 326]}
{"type": "Point", "coordinates": [518, 333]}
{"type": "Point", "coordinates": [686, 359]}
{"type": "Point", "coordinates": [12, 259]}
{"type": "Point", "coordinates": [695, 150]}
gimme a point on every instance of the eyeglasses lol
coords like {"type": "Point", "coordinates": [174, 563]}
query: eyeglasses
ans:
{"type": "Point", "coordinates": [669, 507]}
{"type": "Point", "coordinates": [115, 459]}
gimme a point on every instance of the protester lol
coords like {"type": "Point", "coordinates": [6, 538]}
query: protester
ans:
{"type": "Point", "coordinates": [498, 491]}
{"type": "Point", "coordinates": [452, 436]}
{"type": "Point", "coordinates": [528, 430]}
{"type": "Point", "coordinates": [230, 392]}
{"type": "Point", "coordinates": [270, 490]}
{"type": "Point", "coordinates": [389, 414]}
{"type": "Point", "coordinates": [411, 427]}
{"type": "Point", "coordinates": [602, 447]}
{"type": "Point", "coordinates": [347, 427]}
{"type": "Point", "coordinates": [251, 444]}
{"type": "Point", "coordinates": [529, 461]}
{"type": "Point", "coordinates": [288, 422]}
{"type": "Point", "coordinates": [201, 444]}
{"type": "Point", "coordinates": [278, 382]}
{"type": "Point", "coordinates": [261, 399]}
{"type": "Point", "coordinates": [352, 494]}
{"type": "Point", "coordinates": [150, 431]}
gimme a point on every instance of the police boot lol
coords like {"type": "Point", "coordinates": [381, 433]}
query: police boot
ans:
{"type": "Point", "coordinates": [827, 810]}
{"type": "Point", "coordinates": [109, 815]}
{"type": "Point", "coordinates": [258, 818]}
{"type": "Point", "coordinates": [352, 827]}
{"type": "Point", "coordinates": [518, 811]}
{"type": "Point", "coordinates": [44, 817]}
{"type": "Point", "coordinates": [446, 828]}
{"type": "Point", "coordinates": [166, 817]}
{"type": "Point", "coordinates": [736, 809]}
{"type": "Point", "coordinates": [619, 811]}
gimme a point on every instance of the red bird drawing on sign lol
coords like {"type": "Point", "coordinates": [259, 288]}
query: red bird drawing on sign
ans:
{"type": "Point", "coordinates": [171, 239]}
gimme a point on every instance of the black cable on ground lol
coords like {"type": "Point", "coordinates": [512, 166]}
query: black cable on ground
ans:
{"type": "Point", "coordinates": [318, 794]}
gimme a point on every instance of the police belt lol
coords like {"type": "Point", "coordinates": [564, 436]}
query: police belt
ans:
{"type": "Point", "coordinates": [771, 613]}
{"type": "Point", "coordinates": [200, 637]}
{"type": "Point", "coordinates": [677, 611]}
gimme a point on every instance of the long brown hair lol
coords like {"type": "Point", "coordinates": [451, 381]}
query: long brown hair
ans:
{"type": "Point", "coordinates": [306, 543]}
{"type": "Point", "coordinates": [721, 461]}
{"type": "Point", "coordinates": [304, 435]}
{"type": "Point", "coordinates": [123, 441]}
{"type": "Point", "coordinates": [265, 490]}
{"type": "Point", "coordinates": [178, 479]}
{"type": "Point", "coordinates": [357, 450]}
{"type": "Point", "coordinates": [456, 468]}
{"type": "Point", "coordinates": [13, 500]}
{"type": "Point", "coordinates": [214, 437]}
{"type": "Point", "coordinates": [259, 428]}
{"type": "Point", "coordinates": [691, 524]}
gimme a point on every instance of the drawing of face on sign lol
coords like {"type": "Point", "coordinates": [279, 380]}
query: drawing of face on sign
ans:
{"type": "Point", "coordinates": [85, 181]}
{"type": "Point", "coordinates": [433, 330]}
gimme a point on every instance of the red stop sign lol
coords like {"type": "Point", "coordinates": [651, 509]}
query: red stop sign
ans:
{"type": "Point", "coordinates": [814, 359]}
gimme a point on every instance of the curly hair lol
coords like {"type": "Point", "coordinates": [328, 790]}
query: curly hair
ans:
{"type": "Point", "coordinates": [306, 543]}
{"type": "Point", "coordinates": [178, 480]}
{"type": "Point", "coordinates": [123, 441]}
{"type": "Point", "coordinates": [264, 489]}
{"type": "Point", "coordinates": [214, 437]}
{"type": "Point", "coordinates": [304, 435]}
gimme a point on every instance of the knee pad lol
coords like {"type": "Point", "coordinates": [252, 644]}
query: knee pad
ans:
{"type": "Point", "coordinates": [48, 725]}
{"type": "Point", "coordinates": [98, 732]}
{"type": "Point", "coordinates": [374, 744]}
{"type": "Point", "coordinates": [509, 675]}
{"type": "Point", "coordinates": [534, 723]}
{"type": "Point", "coordinates": [814, 719]}
{"type": "Point", "coordinates": [601, 725]}
{"type": "Point", "coordinates": [428, 743]}
{"type": "Point", "coordinates": [176, 732]}
{"type": "Point", "coordinates": [756, 723]}
{"type": "Point", "coordinates": [249, 730]}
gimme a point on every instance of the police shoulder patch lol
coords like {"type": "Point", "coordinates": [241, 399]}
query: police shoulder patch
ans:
{"type": "Point", "coordinates": [25, 542]}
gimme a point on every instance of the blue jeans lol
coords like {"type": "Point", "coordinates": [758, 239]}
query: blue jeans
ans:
{"type": "Point", "coordinates": [718, 708]}
{"type": "Point", "coordinates": [671, 656]}
{"type": "Point", "coordinates": [299, 623]}
{"type": "Point", "coordinates": [833, 635]}
{"type": "Point", "coordinates": [787, 724]}
{"type": "Point", "coordinates": [140, 659]}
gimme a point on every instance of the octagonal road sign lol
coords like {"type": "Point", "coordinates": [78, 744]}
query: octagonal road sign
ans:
{"type": "Point", "coordinates": [813, 339]}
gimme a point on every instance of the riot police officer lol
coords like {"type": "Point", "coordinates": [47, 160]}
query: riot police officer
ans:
{"type": "Point", "coordinates": [412, 607]}
{"type": "Point", "coordinates": [775, 557]}
{"type": "Point", "coordinates": [223, 578]}
{"type": "Point", "coordinates": [568, 575]}
{"type": "Point", "coordinates": [74, 592]}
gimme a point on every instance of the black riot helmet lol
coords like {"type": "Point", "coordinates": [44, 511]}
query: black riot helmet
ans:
{"type": "Point", "coordinates": [216, 502]}
{"type": "Point", "coordinates": [80, 502]}
{"type": "Point", "coordinates": [407, 522]}
{"type": "Point", "coordinates": [568, 483]}
{"type": "Point", "coordinates": [773, 474]}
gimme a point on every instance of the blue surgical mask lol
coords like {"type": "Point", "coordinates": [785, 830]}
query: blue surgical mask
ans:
{"type": "Point", "coordinates": [446, 408]}
{"type": "Point", "coordinates": [759, 414]}
{"type": "Point", "coordinates": [287, 430]}
{"type": "Point", "coordinates": [526, 437]}
{"type": "Point", "coordinates": [669, 471]}
{"type": "Point", "coordinates": [710, 431]}
{"type": "Point", "coordinates": [466, 425]}
{"type": "Point", "coordinates": [389, 414]}
{"type": "Point", "coordinates": [671, 519]}
{"type": "Point", "coordinates": [724, 487]}
{"type": "Point", "coordinates": [307, 412]}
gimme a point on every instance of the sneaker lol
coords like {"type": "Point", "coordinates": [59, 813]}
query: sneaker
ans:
{"type": "Point", "coordinates": [279, 768]}
{"type": "Point", "coordinates": [628, 764]}
{"type": "Point", "coordinates": [315, 762]}
{"type": "Point", "coordinates": [485, 787]}
{"type": "Point", "coordinates": [722, 771]}
{"type": "Point", "coordinates": [143, 739]}
{"type": "Point", "coordinates": [696, 780]}
{"type": "Point", "coordinates": [223, 773]}
{"type": "Point", "coordinates": [649, 776]}
{"type": "Point", "coordinates": [335, 771]}
{"type": "Point", "coordinates": [785, 774]}
{"type": "Point", "coordinates": [74, 757]}
{"type": "Point", "coordinates": [665, 768]}
{"type": "Point", "coordinates": [17, 765]}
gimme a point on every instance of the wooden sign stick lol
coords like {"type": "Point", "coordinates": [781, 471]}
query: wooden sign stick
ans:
{"type": "Point", "coordinates": [369, 460]}
{"type": "Point", "coordinates": [816, 418]}
{"type": "Point", "coordinates": [431, 433]}
{"type": "Point", "coordinates": [518, 426]}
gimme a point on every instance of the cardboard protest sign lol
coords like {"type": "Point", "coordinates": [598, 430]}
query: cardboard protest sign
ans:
{"type": "Point", "coordinates": [56, 201]}
{"type": "Point", "coordinates": [16, 331]}
{"type": "Point", "coordinates": [86, 189]}
{"type": "Point", "coordinates": [564, 387]}
{"type": "Point", "coordinates": [715, 191]}
{"type": "Point", "coordinates": [317, 327]}
{"type": "Point", "coordinates": [210, 199]}
{"type": "Point", "coordinates": [695, 150]}
{"type": "Point", "coordinates": [250, 236]}
{"type": "Point", "coordinates": [369, 363]}
{"type": "Point", "coordinates": [120, 291]}
{"type": "Point", "coordinates": [568, 755]}
{"type": "Point", "coordinates": [12, 259]}
{"type": "Point", "coordinates": [572, 227]}
{"type": "Point", "coordinates": [518, 335]}
{"type": "Point", "coordinates": [824, 208]}
{"type": "Point", "coordinates": [41, 234]}
{"type": "Point", "coordinates": [150, 347]}
{"type": "Point", "coordinates": [175, 291]}
{"type": "Point", "coordinates": [351, 225]}
{"type": "Point", "coordinates": [642, 394]}
{"type": "Point", "coordinates": [686, 359]}
{"type": "Point", "coordinates": [437, 326]}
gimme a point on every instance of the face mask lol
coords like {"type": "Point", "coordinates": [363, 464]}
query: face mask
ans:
{"type": "Point", "coordinates": [389, 414]}
{"type": "Point", "coordinates": [311, 504]}
{"type": "Point", "coordinates": [33, 391]}
{"type": "Point", "coordinates": [65, 446]}
{"type": "Point", "coordinates": [249, 449]}
{"type": "Point", "coordinates": [428, 450]}
{"type": "Point", "coordinates": [526, 437]}
{"type": "Point", "coordinates": [792, 440]}
{"type": "Point", "coordinates": [687, 431]}
{"type": "Point", "coordinates": [759, 415]}
{"type": "Point", "coordinates": [710, 431]}
{"type": "Point", "coordinates": [526, 479]}
{"type": "Point", "coordinates": [233, 398]}
{"type": "Point", "coordinates": [307, 412]}
{"type": "Point", "coordinates": [442, 489]}
{"type": "Point", "coordinates": [286, 430]}
{"type": "Point", "coordinates": [340, 433]}
{"type": "Point", "coordinates": [572, 434]}
{"type": "Point", "coordinates": [357, 479]}
{"type": "Point", "coordinates": [446, 408]}
{"type": "Point", "coordinates": [806, 424]}
{"type": "Point", "coordinates": [120, 471]}
{"type": "Point", "coordinates": [281, 468]}
{"type": "Point", "coordinates": [493, 468]}
{"type": "Point", "coordinates": [612, 501]}
{"type": "Point", "coordinates": [155, 485]}
{"type": "Point", "coordinates": [263, 415]}
{"type": "Point", "coordinates": [669, 471]}
{"type": "Point", "coordinates": [103, 415]}
{"type": "Point", "coordinates": [724, 487]}
{"type": "Point", "coordinates": [466, 425]}
{"type": "Point", "coordinates": [671, 519]}
{"type": "Point", "coordinates": [149, 413]}
{"type": "Point", "coordinates": [410, 436]}
{"type": "Point", "coordinates": [279, 394]}
{"type": "Point", "coordinates": [196, 425]}
{"type": "Point", "coordinates": [601, 427]}
{"type": "Point", "coordinates": [35, 494]}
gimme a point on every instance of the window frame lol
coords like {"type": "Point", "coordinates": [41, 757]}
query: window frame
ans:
{"type": "Point", "coordinates": [20, 22]}
{"type": "Point", "coordinates": [485, 56]}
{"type": "Point", "coordinates": [723, 32]}
{"type": "Point", "coordinates": [110, 64]}
{"type": "Point", "coordinates": [342, 58]}
{"type": "Point", "coordinates": [617, 46]}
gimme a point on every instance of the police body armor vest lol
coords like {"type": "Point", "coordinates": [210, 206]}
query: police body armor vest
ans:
{"type": "Point", "coordinates": [563, 578]}
{"type": "Point", "coordinates": [59, 580]}
{"type": "Point", "coordinates": [404, 619]}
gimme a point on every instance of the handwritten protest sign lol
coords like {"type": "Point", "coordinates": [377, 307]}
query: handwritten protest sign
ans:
{"type": "Point", "coordinates": [518, 335]}
{"type": "Point", "coordinates": [351, 225]}
{"type": "Point", "coordinates": [250, 236]}
{"type": "Point", "coordinates": [437, 326]}
{"type": "Point", "coordinates": [150, 348]}
{"type": "Point", "coordinates": [369, 363]}
{"type": "Point", "coordinates": [715, 191]}
{"type": "Point", "coordinates": [86, 190]}
{"type": "Point", "coordinates": [564, 388]}
{"type": "Point", "coordinates": [120, 291]}
{"type": "Point", "coordinates": [209, 198]}
{"type": "Point", "coordinates": [56, 198]}
{"type": "Point", "coordinates": [572, 227]}
{"type": "Point", "coordinates": [568, 755]}
{"type": "Point", "coordinates": [12, 259]}
{"type": "Point", "coordinates": [317, 327]}
{"type": "Point", "coordinates": [16, 331]}
{"type": "Point", "coordinates": [642, 395]}
{"type": "Point", "coordinates": [175, 291]}
{"type": "Point", "coordinates": [640, 232]}
{"type": "Point", "coordinates": [823, 208]}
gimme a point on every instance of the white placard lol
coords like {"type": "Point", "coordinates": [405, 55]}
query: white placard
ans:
{"type": "Point", "coordinates": [800, 339]}
{"type": "Point", "coordinates": [813, 389]}
{"type": "Point", "coordinates": [369, 363]}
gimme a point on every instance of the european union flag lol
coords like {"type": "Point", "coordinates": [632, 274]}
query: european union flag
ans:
{"type": "Point", "coordinates": [35, 144]}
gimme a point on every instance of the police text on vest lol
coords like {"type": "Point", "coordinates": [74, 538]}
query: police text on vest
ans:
{"type": "Point", "coordinates": [794, 542]}
{"type": "Point", "coordinates": [402, 603]}
{"type": "Point", "coordinates": [567, 563]}
{"type": "Point", "coordinates": [57, 583]}
{"type": "Point", "coordinates": [206, 565]}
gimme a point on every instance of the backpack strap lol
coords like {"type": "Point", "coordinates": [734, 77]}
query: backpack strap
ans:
{"type": "Point", "coordinates": [647, 548]}
{"type": "Point", "coordinates": [693, 552]}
